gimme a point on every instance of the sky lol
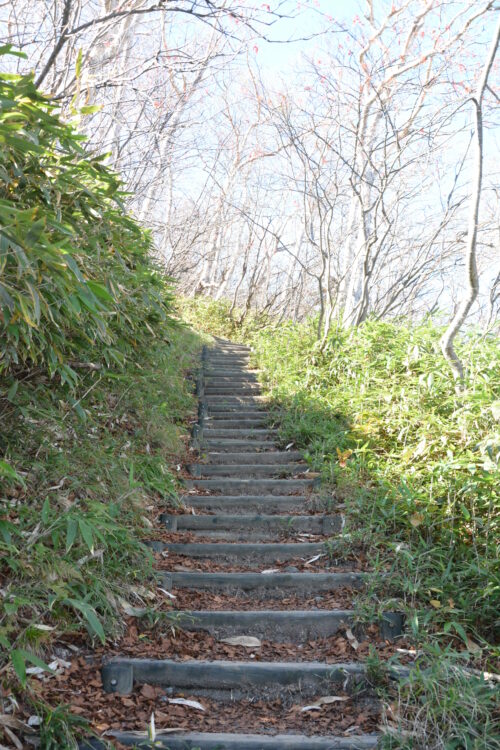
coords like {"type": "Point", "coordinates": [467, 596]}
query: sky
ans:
{"type": "Point", "coordinates": [307, 18]}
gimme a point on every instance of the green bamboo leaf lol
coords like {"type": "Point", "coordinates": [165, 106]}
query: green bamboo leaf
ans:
{"type": "Point", "coordinates": [71, 531]}
{"type": "Point", "coordinates": [87, 535]}
{"type": "Point", "coordinates": [19, 663]}
{"type": "Point", "coordinates": [100, 291]}
{"type": "Point", "coordinates": [90, 615]}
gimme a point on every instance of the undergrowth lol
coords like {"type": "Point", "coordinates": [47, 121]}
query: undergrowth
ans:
{"type": "Point", "coordinates": [416, 467]}
{"type": "Point", "coordinates": [94, 398]}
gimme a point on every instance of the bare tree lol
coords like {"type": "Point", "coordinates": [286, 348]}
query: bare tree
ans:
{"type": "Point", "coordinates": [472, 287]}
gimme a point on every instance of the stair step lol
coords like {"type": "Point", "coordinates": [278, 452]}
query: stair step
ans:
{"type": "Point", "coordinates": [237, 415]}
{"type": "Point", "coordinates": [239, 677]}
{"type": "Point", "coordinates": [243, 471]}
{"type": "Point", "coordinates": [236, 409]}
{"type": "Point", "coordinates": [226, 372]}
{"type": "Point", "coordinates": [253, 553]}
{"type": "Point", "coordinates": [235, 361]}
{"type": "Point", "coordinates": [296, 626]}
{"type": "Point", "coordinates": [245, 503]}
{"type": "Point", "coordinates": [242, 458]}
{"type": "Point", "coordinates": [232, 390]}
{"type": "Point", "coordinates": [229, 444]}
{"type": "Point", "coordinates": [270, 583]}
{"type": "Point", "coordinates": [256, 523]}
{"type": "Point", "coordinates": [228, 401]}
{"type": "Point", "coordinates": [238, 433]}
{"type": "Point", "coordinates": [229, 486]}
{"type": "Point", "coordinates": [227, 741]}
{"type": "Point", "coordinates": [222, 378]}
{"type": "Point", "coordinates": [235, 423]}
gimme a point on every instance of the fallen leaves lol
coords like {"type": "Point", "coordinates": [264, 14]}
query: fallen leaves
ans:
{"type": "Point", "coordinates": [186, 702]}
{"type": "Point", "coordinates": [352, 639]}
{"type": "Point", "coordinates": [248, 641]}
{"type": "Point", "coordinates": [326, 700]}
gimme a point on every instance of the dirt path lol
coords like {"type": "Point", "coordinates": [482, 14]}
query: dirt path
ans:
{"type": "Point", "coordinates": [269, 657]}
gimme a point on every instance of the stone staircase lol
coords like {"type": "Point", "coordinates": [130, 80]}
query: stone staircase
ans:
{"type": "Point", "coordinates": [252, 506]}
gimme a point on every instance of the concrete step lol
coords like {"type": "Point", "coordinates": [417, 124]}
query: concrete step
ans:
{"type": "Point", "coordinates": [238, 414]}
{"type": "Point", "coordinates": [247, 503]}
{"type": "Point", "coordinates": [232, 373]}
{"type": "Point", "coordinates": [239, 433]}
{"type": "Point", "coordinates": [227, 486]}
{"type": "Point", "coordinates": [263, 584]}
{"type": "Point", "coordinates": [227, 741]}
{"type": "Point", "coordinates": [253, 523]}
{"type": "Point", "coordinates": [120, 674]}
{"type": "Point", "coordinates": [271, 457]}
{"type": "Point", "coordinates": [237, 389]}
{"type": "Point", "coordinates": [221, 408]}
{"type": "Point", "coordinates": [223, 444]}
{"type": "Point", "coordinates": [231, 401]}
{"type": "Point", "coordinates": [253, 554]}
{"type": "Point", "coordinates": [221, 378]}
{"type": "Point", "coordinates": [296, 626]}
{"type": "Point", "coordinates": [244, 471]}
{"type": "Point", "coordinates": [235, 361]}
{"type": "Point", "coordinates": [234, 424]}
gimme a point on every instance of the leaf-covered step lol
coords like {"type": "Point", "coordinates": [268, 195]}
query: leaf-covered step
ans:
{"type": "Point", "coordinates": [241, 457]}
{"type": "Point", "coordinates": [247, 503]}
{"type": "Point", "coordinates": [262, 584]}
{"type": "Point", "coordinates": [229, 486]}
{"type": "Point", "coordinates": [296, 626]}
{"type": "Point", "coordinates": [259, 523]}
{"type": "Point", "coordinates": [120, 674]}
{"type": "Point", "coordinates": [228, 741]}
{"type": "Point", "coordinates": [246, 470]}
{"type": "Point", "coordinates": [256, 552]}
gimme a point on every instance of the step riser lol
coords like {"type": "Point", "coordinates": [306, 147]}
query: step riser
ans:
{"type": "Point", "coordinates": [271, 584]}
{"type": "Point", "coordinates": [295, 626]}
{"type": "Point", "coordinates": [228, 403]}
{"type": "Point", "coordinates": [244, 504]}
{"type": "Point", "coordinates": [252, 433]}
{"type": "Point", "coordinates": [238, 415]}
{"type": "Point", "coordinates": [220, 741]}
{"type": "Point", "coordinates": [235, 412]}
{"type": "Point", "coordinates": [226, 372]}
{"type": "Point", "coordinates": [277, 457]}
{"type": "Point", "coordinates": [243, 377]}
{"type": "Point", "coordinates": [238, 362]}
{"type": "Point", "coordinates": [254, 446]}
{"type": "Point", "coordinates": [251, 486]}
{"type": "Point", "coordinates": [234, 424]}
{"type": "Point", "coordinates": [245, 471]}
{"type": "Point", "coordinates": [226, 390]}
{"type": "Point", "coordinates": [120, 675]}
{"type": "Point", "coordinates": [250, 554]}
{"type": "Point", "coordinates": [253, 523]}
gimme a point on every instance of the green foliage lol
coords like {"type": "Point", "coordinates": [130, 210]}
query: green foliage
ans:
{"type": "Point", "coordinates": [417, 467]}
{"type": "Point", "coordinates": [60, 729]}
{"type": "Point", "coordinates": [93, 396]}
{"type": "Point", "coordinates": [218, 319]}
{"type": "Point", "coordinates": [451, 706]}
{"type": "Point", "coordinates": [70, 539]}
{"type": "Point", "coordinates": [77, 281]}
{"type": "Point", "coordinates": [418, 464]}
